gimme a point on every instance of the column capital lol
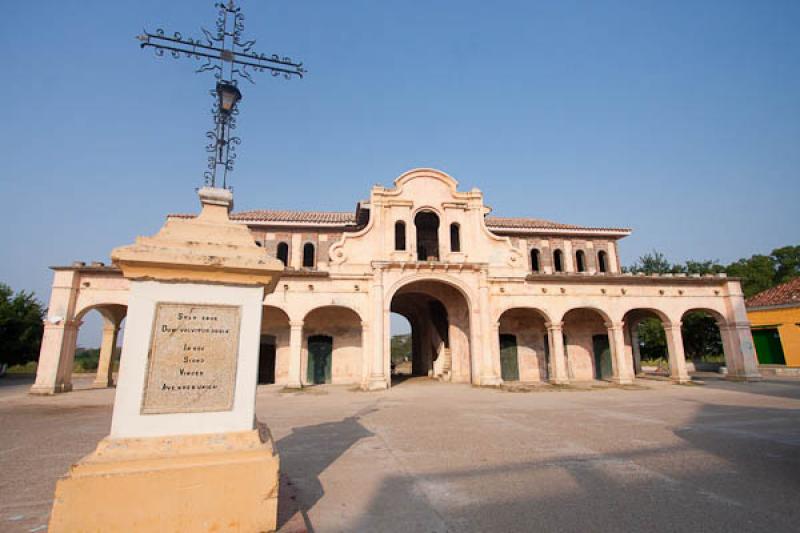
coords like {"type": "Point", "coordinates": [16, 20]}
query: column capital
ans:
{"type": "Point", "coordinates": [615, 325]}
{"type": "Point", "coordinates": [673, 326]}
{"type": "Point", "coordinates": [554, 326]}
{"type": "Point", "coordinates": [296, 324]}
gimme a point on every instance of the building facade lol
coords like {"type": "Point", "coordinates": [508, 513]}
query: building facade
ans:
{"type": "Point", "coordinates": [489, 299]}
{"type": "Point", "coordinates": [775, 316]}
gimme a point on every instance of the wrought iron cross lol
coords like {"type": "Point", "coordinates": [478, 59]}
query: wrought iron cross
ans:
{"type": "Point", "coordinates": [230, 57]}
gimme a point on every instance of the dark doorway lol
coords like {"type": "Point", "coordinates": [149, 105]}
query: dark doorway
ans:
{"type": "Point", "coordinates": [768, 346]}
{"type": "Point", "coordinates": [509, 365]}
{"type": "Point", "coordinates": [427, 224]}
{"type": "Point", "coordinates": [266, 360]}
{"type": "Point", "coordinates": [602, 357]}
{"type": "Point", "coordinates": [320, 355]}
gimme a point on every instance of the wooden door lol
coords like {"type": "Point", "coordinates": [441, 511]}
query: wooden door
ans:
{"type": "Point", "coordinates": [320, 358]}
{"type": "Point", "coordinates": [602, 357]}
{"type": "Point", "coordinates": [768, 346]}
{"type": "Point", "coordinates": [509, 365]}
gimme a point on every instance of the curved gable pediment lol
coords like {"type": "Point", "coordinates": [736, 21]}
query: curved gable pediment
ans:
{"type": "Point", "coordinates": [416, 191]}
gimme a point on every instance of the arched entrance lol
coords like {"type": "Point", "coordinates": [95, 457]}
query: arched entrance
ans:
{"type": "Point", "coordinates": [438, 314]}
{"type": "Point", "coordinates": [701, 331]}
{"type": "Point", "coordinates": [524, 351]}
{"type": "Point", "coordinates": [646, 335]}
{"type": "Point", "coordinates": [586, 345]}
{"type": "Point", "coordinates": [332, 346]}
{"type": "Point", "coordinates": [103, 360]}
{"type": "Point", "coordinates": [57, 358]}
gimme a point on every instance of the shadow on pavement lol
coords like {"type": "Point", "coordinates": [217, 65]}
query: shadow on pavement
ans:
{"type": "Point", "coordinates": [312, 449]}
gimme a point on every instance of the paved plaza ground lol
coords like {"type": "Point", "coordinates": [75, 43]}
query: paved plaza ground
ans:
{"type": "Point", "coordinates": [427, 456]}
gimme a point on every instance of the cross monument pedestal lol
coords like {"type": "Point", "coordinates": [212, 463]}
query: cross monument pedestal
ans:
{"type": "Point", "coordinates": [185, 452]}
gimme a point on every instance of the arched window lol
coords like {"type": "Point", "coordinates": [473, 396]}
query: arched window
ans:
{"type": "Point", "coordinates": [399, 235]}
{"type": "Point", "coordinates": [283, 253]}
{"type": "Point", "coordinates": [580, 261]}
{"type": "Point", "coordinates": [427, 224]}
{"type": "Point", "coordinates": [535, 261]}
{"type": "Point", "coordinates": [602, 261]}
{"type": "Point", "coordinates": [558, 261]}
{"type": "Point", "coordinates": [308, 255]}
{"type": "Point", "coordinates": [455, 238]}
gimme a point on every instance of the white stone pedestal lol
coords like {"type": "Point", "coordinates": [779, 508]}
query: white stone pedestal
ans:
{"type": "Point", "coordinates": [185, 452]}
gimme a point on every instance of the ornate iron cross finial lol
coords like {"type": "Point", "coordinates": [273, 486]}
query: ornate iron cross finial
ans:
{"type": "Point", "coordinates": [225, 53]}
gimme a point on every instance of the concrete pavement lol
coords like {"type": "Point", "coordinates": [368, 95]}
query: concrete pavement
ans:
{"type": "Point", "coordinates": [427, 456]}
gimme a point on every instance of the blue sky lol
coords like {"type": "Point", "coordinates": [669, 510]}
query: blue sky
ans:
{"type": "Point", "coordinates": [678, 119]}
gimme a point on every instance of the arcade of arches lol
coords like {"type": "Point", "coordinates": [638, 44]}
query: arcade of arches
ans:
{"type": "Point", "coordinates": [488, 299]}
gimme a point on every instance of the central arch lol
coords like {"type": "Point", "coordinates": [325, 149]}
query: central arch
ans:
{"type": "Point", "coordinates": [439, 315]}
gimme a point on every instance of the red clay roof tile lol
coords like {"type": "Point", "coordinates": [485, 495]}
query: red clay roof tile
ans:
{"type": "Point", "coordinates": [347, 218]}
{"type": "Point", "coordinates": [784, 294]}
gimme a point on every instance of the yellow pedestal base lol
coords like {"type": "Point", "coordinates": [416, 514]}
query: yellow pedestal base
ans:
{"type": "Point", "coordinates": [216, 482]}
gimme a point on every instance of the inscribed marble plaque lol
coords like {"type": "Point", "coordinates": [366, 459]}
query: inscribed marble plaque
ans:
{"type": "Point", "coordinates": [191, 365]}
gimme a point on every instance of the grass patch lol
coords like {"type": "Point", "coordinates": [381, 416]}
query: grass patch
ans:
{"type": "Point", "coordinates": [28, 368]}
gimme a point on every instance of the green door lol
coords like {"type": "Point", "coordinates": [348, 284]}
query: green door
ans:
{"type": "Point", "coordinates": [509, 367]}
{"type": "Point", "coordinates": [602, 357]}
{"type": "Point", "coordinates": [320, 352]}
{"type": "Point", "coordinates": [768, 346]}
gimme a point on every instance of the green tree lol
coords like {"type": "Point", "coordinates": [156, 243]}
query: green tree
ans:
{"type": "Point", "coordinates": [787, 263]}
{"type": "Point", "coordinates": [652, 341]}
{"type": "Point", "coordinates": [700, 335]}
{"type": "Point", "coordinates": [758, 273]}
{"type": "Point", "coordinates": [651, 263]}
{"type": "Point", "coordinates": [401, 348]}
{"type": "Point", "coordinates": [21, 316]}
{"type": "Point", "coordinates": [702, 267]}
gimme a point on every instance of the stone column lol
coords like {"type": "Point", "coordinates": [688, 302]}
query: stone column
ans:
{"type": "Point", "coordinates": [636, 350]}
{"type": "Point", "coordinates": [622, 368]}
{"type": "Point", "coordinates": [105, 367]}
{"type": "Point", "coordinates": [377, 375]}
{"type": "Point", "coordinates": [558, 361]}
{"type": "Point", "coordinates": [740, 354]}
{"type": "Point", "coordinates": [295, 380]}
{"type": "Point", "coordinates": [366, 342]}
{"type": "Point", "coordinates": [495, 338]}
{"type": "Point", "coordinates": [677, 358]}
{"type": "Point", "coordinates": [56, 358]}
{"type": "Point", "coordinates": [490, 344]}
